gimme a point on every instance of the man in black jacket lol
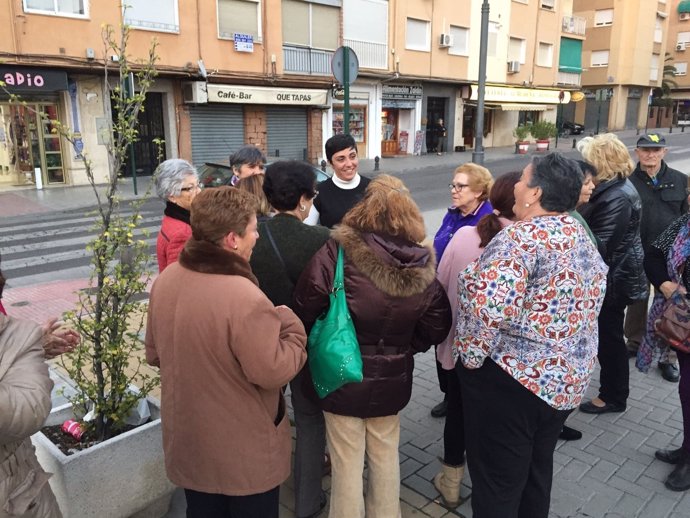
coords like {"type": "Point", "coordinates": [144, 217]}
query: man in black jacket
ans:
{"type": "Point", "coordinates": [663, 192]}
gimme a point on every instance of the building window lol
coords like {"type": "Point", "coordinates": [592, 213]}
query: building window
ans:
{"type": "Point", "coordinates": [310, 25]}
{"type": "Point", "coordinates": [418, 36]}
{"type": "Point", "coordinates": [654, 68]}
{"type": "Point", "coordinates": [684, 37]}
{"type": "Point", "coordinates": [659, 30]}
{"type": "Point", "coordinates": [545, 55]}
{"type": "Point", "coordinates": [460, 37]}
{"type": "Point", "coordinates": [492, 42]}
{"type": "Point", "coordinates": [362, 21]}
{"type": "Point", "coordinates": [517, 50]}
{"type": "Point", "coordinates": [239, 17]}
{"type": "Point", "coordinates": [78, 8]}
{"type": "Point", "coordinates": [155, 15]}
{"type": "Point", "coordinates": [603, 17]}
{"type": "Point", "coordinates": [547, 4]}
{"type": "Point", "coordinates": [600, 58]}
{"type": "Point", "coordinates": [681, 69]}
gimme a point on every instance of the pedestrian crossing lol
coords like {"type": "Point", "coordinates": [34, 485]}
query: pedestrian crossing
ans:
{"type": "Point", "coordinates": [48, 247]}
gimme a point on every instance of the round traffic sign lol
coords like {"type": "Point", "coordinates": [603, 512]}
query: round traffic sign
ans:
{"type": "Point", "coordinates": [338, 65]}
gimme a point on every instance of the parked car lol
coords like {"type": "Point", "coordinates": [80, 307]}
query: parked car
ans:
{"type": "Point", "coordinates": [572, 128]}
{"type": "Point", "coordinates": [214, 175]}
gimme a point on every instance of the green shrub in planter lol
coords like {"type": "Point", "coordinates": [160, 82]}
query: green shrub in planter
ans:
{"type": "Point", "coordinates": [522, 132]}
{"type": "Point", "coordinates": [543, 130]}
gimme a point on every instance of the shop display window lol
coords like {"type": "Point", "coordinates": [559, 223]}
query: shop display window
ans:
{"type": "Point", "coordinates": [357, 122]}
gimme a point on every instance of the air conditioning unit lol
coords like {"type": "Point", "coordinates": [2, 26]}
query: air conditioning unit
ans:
{"type": "Point", "coordinates": [513, 67]}
{"type": "Point", "coordinates": [680, 46]}
{"type": "Point", "coordinates": [194, 92]}
{"type": "Point", "coordinates": [446, 40]}
{"type": "Point", "coordinates": [548, 4]}
{"type": "Point", "coordinates": [684, 16]}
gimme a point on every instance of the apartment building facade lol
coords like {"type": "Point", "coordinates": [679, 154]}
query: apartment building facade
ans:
{"type": "Point", "coordinates": [624, 55]}
{"type": "Point", "coordinates": [678, 49]}
{"type": "Point", "coordinates": [259, 71]}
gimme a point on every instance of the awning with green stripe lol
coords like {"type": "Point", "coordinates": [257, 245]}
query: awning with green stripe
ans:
{"type": "Point", "coordinates": [570, 56]}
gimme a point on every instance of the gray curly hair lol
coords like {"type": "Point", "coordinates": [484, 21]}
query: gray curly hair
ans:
{"type": "Point", "coordinates": [170, 175]}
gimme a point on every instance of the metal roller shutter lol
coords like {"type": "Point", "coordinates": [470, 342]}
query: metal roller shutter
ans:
{"type": "Point", "coordinates": [592, 114]}
{"type": "Point", "coordinates": [287, 132]}
{"type": "Point", "coordinates": [217, 130]}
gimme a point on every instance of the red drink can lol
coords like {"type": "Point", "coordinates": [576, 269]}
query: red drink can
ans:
{"type": "Point", "coordinates": [73, 428]}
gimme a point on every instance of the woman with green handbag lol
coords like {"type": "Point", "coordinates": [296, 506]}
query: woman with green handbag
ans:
{"type": "Point", "coordinates": [398, 309]}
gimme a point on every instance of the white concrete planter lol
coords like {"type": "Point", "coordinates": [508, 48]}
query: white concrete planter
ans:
{"type": "Point", "coordinates": [122, 477]}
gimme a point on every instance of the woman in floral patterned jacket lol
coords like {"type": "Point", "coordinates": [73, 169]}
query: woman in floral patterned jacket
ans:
{"type": "Point", "coordinates": [527, 341]}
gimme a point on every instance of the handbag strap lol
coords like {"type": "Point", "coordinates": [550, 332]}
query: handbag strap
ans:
{"type": "Point", "coordinates": [275, 247]}
{"type": "Point", "coordinates": [339, 277]}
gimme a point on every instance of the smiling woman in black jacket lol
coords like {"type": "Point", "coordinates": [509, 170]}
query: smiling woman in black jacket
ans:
{"type": "Point", "coordinates": [613, 214]}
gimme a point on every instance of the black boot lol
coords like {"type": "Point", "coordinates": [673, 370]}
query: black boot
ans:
{"type": "Point", "coordinates": [441, 409]}
{"type": "Point", "coordinates": [679, 479]}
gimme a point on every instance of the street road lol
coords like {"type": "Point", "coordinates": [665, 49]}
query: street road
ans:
{"type": "Point", "coordinates": [50, 246]}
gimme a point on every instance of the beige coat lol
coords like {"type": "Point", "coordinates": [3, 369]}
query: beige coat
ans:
{"type": "Point", "coordinates": [24, 405]}
{"type": "Point", "coordinates": [224, 353]}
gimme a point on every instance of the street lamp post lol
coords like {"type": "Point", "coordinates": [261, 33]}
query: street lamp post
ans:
{"type": "Point", "coordinates": [478, 153]}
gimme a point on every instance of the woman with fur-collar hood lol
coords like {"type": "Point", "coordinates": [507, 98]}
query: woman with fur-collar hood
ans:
{"type": "Point", "coordinates": [398, 308]}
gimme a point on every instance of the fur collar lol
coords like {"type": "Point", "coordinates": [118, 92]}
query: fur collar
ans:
{"type": "Point", "coordinates": [394, 265]}
{"type": "Point", "coordinates": [205, 257]}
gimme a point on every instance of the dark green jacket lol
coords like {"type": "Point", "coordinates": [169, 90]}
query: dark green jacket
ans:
{"type": "Point", "coordinates": [296, 243]}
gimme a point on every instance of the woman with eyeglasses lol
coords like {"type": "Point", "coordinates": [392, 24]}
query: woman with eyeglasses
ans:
{"type": "Point", "coordinates": [287, 244]}
{"type": "Point", "coordinates": [177, 184]}
{"type": "Point", "coordinates": [469, 193]}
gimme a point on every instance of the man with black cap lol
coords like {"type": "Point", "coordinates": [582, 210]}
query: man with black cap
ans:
{"type": "Point", "coordinates": [664, 196]}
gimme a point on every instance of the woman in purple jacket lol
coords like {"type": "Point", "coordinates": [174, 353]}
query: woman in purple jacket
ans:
{"type": "Point", "coordinates": [469, 192]}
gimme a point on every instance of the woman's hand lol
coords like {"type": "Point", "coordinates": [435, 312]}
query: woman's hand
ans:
{"type": "Point", "coordinates": [58, 340]}
{"type": "Point", "coordinates": [668, 288]}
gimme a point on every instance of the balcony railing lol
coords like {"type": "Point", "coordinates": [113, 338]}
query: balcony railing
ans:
{"type": "Point", "coordinates": [574, 25]}
{"type": "Point", "coordinates": [370, 55]}
{"type": "Point", "coordinates": [305, 60]}
{"type": "Point", "coordinates": [569, 78]}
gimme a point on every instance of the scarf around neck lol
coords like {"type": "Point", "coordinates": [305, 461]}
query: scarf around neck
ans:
{"type": "Point", "coordinates": [174, 211]}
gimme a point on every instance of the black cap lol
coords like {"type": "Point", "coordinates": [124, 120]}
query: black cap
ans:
{"type": "Point", "coordinates": [651, 140]}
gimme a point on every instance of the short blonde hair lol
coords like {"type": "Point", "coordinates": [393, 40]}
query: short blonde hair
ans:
{"type": "Point", "coordinates": [478, 178]}
{"type": "Point", "coordinates": [217, 212]}
{"type": "Point", "coordinates": [388, 208]}
{"type": "Point", "coordinates": [608, 155]}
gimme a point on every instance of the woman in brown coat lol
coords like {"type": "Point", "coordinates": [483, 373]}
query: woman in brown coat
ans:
{"type": "Point", "coordinates": [224, 352]}
{"type": "Point", "coordinates": [398, 309]}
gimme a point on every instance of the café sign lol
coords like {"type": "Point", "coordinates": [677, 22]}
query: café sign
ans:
{"type": "Point", "coordinates": [264, 95]}
{"type": "Point", "coordinates": [504, 94]}
{"type": "Point", "coordinates": [30, 80]}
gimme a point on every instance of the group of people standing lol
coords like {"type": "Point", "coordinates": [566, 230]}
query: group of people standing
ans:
{"type": "Point", "coordinates": [526, 284]}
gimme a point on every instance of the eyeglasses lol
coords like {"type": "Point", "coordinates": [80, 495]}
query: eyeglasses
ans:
{"type": "Point", "coordinates": [457, 186]}
{"type": "Point", "coordinates": [195, 187]}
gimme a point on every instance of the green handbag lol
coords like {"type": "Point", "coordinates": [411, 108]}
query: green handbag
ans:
{"type": "Point", "coordinates": [332, 348]}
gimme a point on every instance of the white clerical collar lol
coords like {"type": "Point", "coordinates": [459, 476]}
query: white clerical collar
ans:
{"type": "Point", "coordinates": [346, 185]}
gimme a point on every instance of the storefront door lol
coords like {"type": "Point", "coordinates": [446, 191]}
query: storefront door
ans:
{"type": "Point", "coordinates": [389, 131]}
{"type": "Point", "coordinates": [30, 144]}
{"type": "Point", "coordinates": [148, 149]}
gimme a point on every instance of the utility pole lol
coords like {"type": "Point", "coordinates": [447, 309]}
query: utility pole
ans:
{"type": "Point", "coordinates": [478, 153]}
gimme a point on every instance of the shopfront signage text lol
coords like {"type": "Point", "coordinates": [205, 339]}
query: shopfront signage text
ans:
{"type": "Point", "coordinates": [402, 92]}
{"type": "Point", "coordinates": [505, 94]}
{"type": "Point", "coordinates": [33, 79]}
{"type": "Point", "coordinates": [260, 95]}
